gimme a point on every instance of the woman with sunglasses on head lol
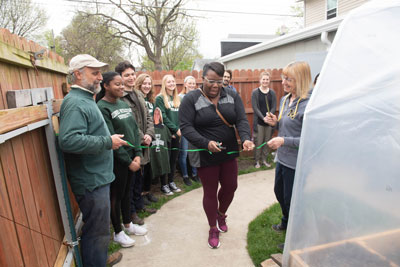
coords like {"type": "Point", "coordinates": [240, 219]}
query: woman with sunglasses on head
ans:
{"type": "Point", "coordinates": [296, 81]}
{"type": "Point", "coordinates": [168, 101]}
{"type": "Point", "coordinates": [207, 117]}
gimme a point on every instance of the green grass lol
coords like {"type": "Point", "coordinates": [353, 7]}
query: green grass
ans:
{"type": "Point", "coordinates": [250, 162]}
{"type": "Point", "coordinates": [262, 241]}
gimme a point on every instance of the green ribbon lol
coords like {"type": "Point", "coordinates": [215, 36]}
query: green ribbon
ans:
{"type": "Point", "coordinates": [193, 150]}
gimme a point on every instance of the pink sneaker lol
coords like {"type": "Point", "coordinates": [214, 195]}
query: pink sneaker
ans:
{"type": "Point", "coordinates": [213, 238]}
{"type": "Point", "coordinates": [221, 223]}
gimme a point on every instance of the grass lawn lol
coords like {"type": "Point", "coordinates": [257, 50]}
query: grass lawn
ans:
{"type": "Point", "coordinates": [262, 241]}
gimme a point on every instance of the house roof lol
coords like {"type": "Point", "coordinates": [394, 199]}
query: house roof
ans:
{"type": "Point", "coordinates": [314, 30]}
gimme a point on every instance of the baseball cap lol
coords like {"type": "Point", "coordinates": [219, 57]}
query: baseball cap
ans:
{"type": "Point", "coordinates": [84, 60]}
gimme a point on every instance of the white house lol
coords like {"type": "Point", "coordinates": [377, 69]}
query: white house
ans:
{"type": "Point", "coordinates": [321, 19]}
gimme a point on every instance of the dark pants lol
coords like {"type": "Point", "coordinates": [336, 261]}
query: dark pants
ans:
{"type": "Point", "coordinates": [147, 177]}
{"type": "Point", "coordinates": [173, 157]}
{"type": "Point", "coordinates": [284, 178]}
{"type": "Point", "coordinates": [120, 196]}
{"type": "Point", "coordinates": [136, 191]}
{"type": "Point", "coordinates": [95, 208]}
{"type": "Point", "coordinates": [225, 174]}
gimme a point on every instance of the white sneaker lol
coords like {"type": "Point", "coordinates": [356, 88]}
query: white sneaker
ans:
{"type": "Point", "coordinates": [266, 164]}
{"type": "Point", "coordinates": [124, 240]}
{"type": "Point", "coordinates": [257, 166]}
{"type": "Point", "coordinates": [135, 229]}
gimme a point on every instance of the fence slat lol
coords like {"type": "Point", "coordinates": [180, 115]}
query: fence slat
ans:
{"type": "Point", "coordinates": [26, 187]}
{"type": "Point", "coordinates": [9, 244]}
{"type": "Point", "coordinates": [12, 183]}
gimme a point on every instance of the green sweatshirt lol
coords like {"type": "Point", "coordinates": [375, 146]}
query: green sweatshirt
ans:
{"type": "Point", "coordinates": [120, 120]}
{"type": "Point", "coordinates": [86, 142]}
{"type": "Point", "coordinates": [159, 157]}
{"type": "Point", "coordinates": [170, 115]}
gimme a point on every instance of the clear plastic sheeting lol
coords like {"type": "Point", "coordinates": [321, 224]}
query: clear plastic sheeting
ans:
{"type": "Point", "coordinates": [345, 208]}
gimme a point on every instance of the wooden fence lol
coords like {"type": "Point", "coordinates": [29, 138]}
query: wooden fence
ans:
{"type": "Point", "coordinates": [31, 230]}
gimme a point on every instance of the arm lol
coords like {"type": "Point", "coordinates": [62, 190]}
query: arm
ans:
{"type": "Point", "coordinates": [255, 104]}
{"type": "Point", "coordinates": [187, 114]}
{"type": "Point", "coordinates": [160, 104]}
{"type": "Point", "coordinates": [150, 125]}
{"type": "Point", "coordinates": [73, 136]}
{"type": "Point", "coordinates": [242, 125]}
{"type": "Point", "coordinates": [273, 106]}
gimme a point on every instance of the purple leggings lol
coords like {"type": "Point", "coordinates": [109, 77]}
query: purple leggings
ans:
{"type": "Point", "coordinates": [226, 174]}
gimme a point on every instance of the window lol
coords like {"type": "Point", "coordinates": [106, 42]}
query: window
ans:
{"type": "Point", "coordinates": [331, 9]}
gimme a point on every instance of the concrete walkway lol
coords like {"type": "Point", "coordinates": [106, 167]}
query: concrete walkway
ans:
{"type": "Point", "coordinates": [178, 232]}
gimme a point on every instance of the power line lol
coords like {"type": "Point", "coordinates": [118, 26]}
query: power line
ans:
{"type": "Point", "coordinates": [188, 9]}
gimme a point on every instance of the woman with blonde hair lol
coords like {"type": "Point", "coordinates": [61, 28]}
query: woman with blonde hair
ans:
{"type": "Point", "coordinates": [296, 81]}
{"type": "Point", "coordinates": [168, 101]}
{"type": "Point", "coordinates": [189, 84]}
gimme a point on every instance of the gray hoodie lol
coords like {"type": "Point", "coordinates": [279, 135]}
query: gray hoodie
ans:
{"type": "Point", "coordinates": [290, 130]}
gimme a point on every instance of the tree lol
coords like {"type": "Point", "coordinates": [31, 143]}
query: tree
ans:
{"type": "Point", "coordinates": [91, 35]}
{"type": "Point", "coordinates": [179, 54]}
{"type": "Point", "coordinates": [22, 17]}
{"type": "Point", "coordinates": [148, 24]}
{"type": "Point", "coordinates": [297, 23]}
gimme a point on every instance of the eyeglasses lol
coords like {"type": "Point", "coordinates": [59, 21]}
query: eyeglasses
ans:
{"type": "Point", "coordinates": [220, 82]}
{"type": "Point", "coordinates": [286, 78]}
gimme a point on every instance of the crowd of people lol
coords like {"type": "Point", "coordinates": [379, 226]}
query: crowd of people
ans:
{"type": "Point", "coordinates": [119, 138]}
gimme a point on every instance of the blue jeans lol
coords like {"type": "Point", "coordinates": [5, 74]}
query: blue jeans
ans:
{"type": "Point", "coordinates": [183, 157]}
{"type": "Point", "coordinates": [95, 208]}
{"type": "Point", "coordinates": [284, 179]}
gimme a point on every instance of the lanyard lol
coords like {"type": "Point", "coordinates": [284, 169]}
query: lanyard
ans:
{"type": "Point", "coordinates": [291, 114]}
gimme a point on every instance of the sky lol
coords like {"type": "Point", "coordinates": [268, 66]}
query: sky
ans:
{"type": "Point", "coordinates": [221, 18]}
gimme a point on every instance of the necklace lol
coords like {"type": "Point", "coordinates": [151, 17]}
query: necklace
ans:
{"type": "Point", "coordinates": [292, 113]}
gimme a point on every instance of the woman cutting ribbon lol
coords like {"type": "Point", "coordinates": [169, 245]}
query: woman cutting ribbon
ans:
{"type": "Point", "coordinates": [207, 117]}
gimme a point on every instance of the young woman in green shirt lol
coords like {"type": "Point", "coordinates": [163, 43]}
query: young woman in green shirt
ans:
{"type": "Point", "coordinates": [119, 119]}
{"type": "Point", "coordinates": [168, 101]}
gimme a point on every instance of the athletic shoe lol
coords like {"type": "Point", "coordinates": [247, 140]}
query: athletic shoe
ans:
{"type": "Point", "coordinates": [135, 229]}
{"type": "Point", "coordinates": [166, 191]}
{"type": "Point", "coordinates": [124, 240]}
{"type": "Point", "coordinates": [151, 198]}
{"type": "Point", "coordinates": [221, 223]}
{"type": "Point", "coordinates": [187, 181]}
{"type": "Point", "coordinates": [146, 201]}
{"type": "Point", "coordinates": [174, 188]}
{"type": "Point", "coordinates": [278, 228]}
{"type": "Point", "coordinates": [136, 219]}
{"type": "Point", "coordinates": [213, 238]}
{"type": "Point", "coordinates": [266, 164]}
{"type": "Point", "coordinates": [257, 165]}
{"type": "Point", "coordinates": [196, 179]}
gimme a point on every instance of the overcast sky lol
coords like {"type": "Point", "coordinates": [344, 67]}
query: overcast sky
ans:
{"type": "Point", "coordinates": [214, 24]}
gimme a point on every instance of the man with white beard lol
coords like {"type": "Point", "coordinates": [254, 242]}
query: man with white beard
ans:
{"type": "Point", "coordinates": [87, 145]}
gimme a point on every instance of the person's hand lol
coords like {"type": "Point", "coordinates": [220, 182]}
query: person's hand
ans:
{"type": "Point", "coordinates": [134, 166]}
{"type": "Point", "coordinates": [117, 141]}
{"type": "Point", "coordinates": [270, 119]}
{"type": "Point", "coordinates": [147, 140]}
{"type": "Point", "coordinates": [137, 160]}
{"type": "Point", "coordinates": [214, 146]}
{"type": "Point", "coordinates": [248, 145]}
{"type": "Point", "coordinates": [276, 142]}
{"type": "Point", "coordinates": [178, 133]}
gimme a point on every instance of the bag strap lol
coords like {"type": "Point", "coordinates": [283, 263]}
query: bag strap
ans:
{"type": "Point", "coordinates": [216, 109]}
